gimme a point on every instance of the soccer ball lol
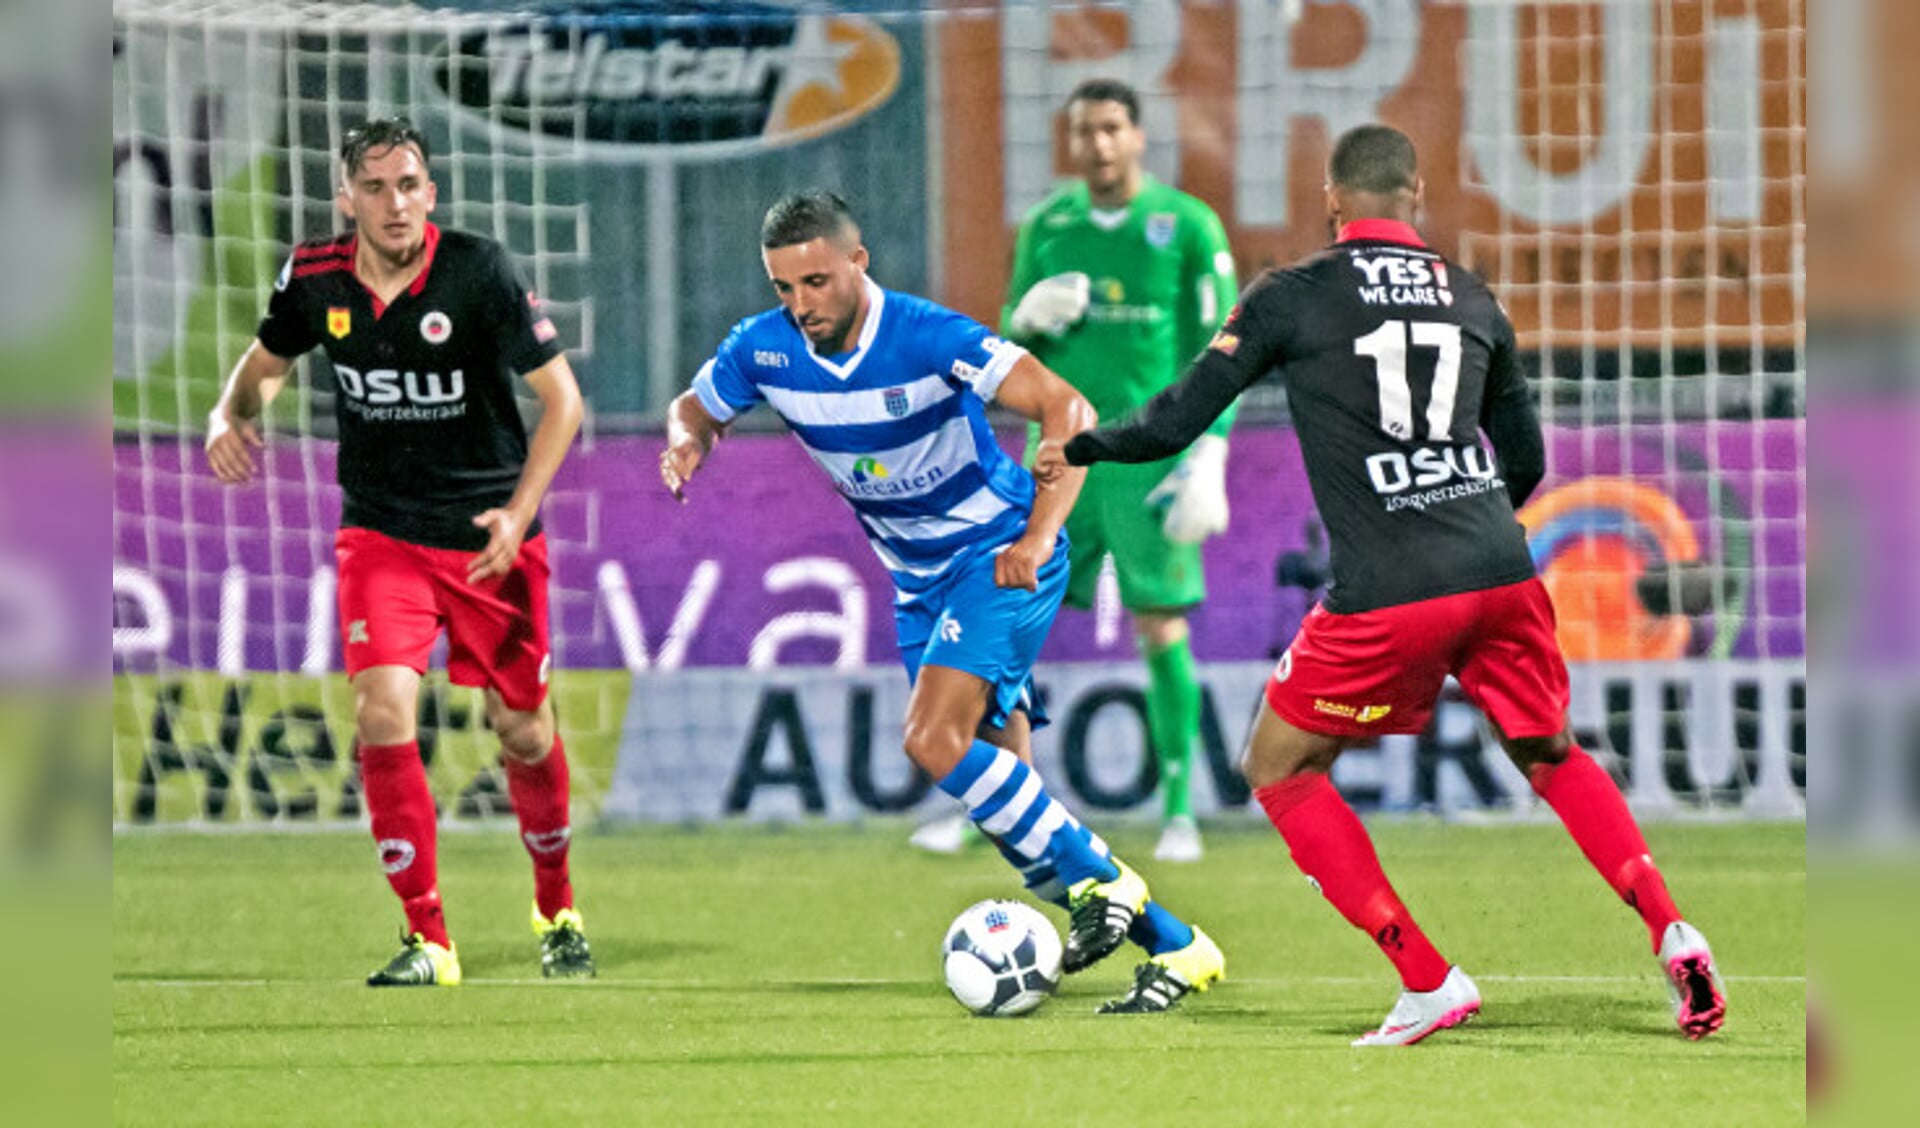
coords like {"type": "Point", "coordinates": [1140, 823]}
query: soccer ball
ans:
{"type": "Point", "coordinates": [1002, 958]}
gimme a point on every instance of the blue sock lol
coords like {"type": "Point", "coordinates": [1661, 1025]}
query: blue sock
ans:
{"type": "Point", "coordinates": [1155, 929]}
{"type": "Point", "coordinates": [1006, 799]}
{"type": "Point", "coordinates": [1159, 931]}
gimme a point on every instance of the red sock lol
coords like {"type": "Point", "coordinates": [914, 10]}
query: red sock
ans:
{"type": "Point", "coordinates": [1333, 850]}
{"type": "Point", "coordinates": [1596, 814]}
{"type": "Point", "coordinates": [403, 828]}
{"type": "Point", "coordinates": [540, 798]}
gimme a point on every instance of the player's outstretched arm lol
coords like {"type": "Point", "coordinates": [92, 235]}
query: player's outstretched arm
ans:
{"type": "Point", "coordinates": [1170, 421]}
{"type": "Point", "coordinates": [233, 433]}
{"type": "Point", "coordinates": [691, 432]}
{"type": "Point", "coordinates": [561, 412]}
{"type": "Point", "coordinates": [1032, 391]}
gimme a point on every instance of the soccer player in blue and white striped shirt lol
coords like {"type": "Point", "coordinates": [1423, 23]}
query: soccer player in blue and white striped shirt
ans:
{"type": "Point", "coordinates": [888, 392]}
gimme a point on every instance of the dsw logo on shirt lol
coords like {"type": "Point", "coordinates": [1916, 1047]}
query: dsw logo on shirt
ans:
{"type": "Point", "coordinates": [389, 394]}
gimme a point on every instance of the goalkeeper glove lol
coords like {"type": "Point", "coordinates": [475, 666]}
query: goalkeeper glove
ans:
{"type": "Point", "coordinates": [1052, 306]}
{"type": "Point", "coordinates": [1195, 493]}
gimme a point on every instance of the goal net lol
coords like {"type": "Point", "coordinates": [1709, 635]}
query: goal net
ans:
{"type": "Point", "coordinates": [1628, 174]}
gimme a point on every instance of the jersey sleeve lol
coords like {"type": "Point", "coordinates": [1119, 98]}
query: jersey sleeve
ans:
{"type": "Point", "coordinates": [287, 330]}
{"type": "Point", "coordinates": [525, 337]}
{"type": "Point", "coordinates": [1508, 417]}
{"type": "Point", "coordinates": [964, 350]}
{"type": "Point", "coordinates": [1253, 340]}
{"type": "Point", "coordinates": [724, 385]}
{"type": "Point", "coordinates": [1208, 285]}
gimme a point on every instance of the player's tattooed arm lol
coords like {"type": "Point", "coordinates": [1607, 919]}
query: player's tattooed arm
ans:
{"type": "Point", "coordinates": [691, 433]}
{"type": "Point", "coordinates": [561, 411]}
{"type": "Point", "coordinates": [233, 433]}
{"type": "Point", "coordinates": [1032, 391]}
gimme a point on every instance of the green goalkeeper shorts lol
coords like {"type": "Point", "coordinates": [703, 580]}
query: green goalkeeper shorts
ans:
{"type": "Point", "coordinates": [1112, 517]}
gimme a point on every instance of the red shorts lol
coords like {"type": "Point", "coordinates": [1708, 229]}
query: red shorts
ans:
{"type": "Point", "coordinates": [395, 597]}
{"type": "Point", "coordinates": [1379, 671]}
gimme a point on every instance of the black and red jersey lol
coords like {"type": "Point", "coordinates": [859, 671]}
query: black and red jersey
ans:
{"type": "Point", "coordinates": [1394, 361]}
{"type": "Point", "coordinates": [430, 433]}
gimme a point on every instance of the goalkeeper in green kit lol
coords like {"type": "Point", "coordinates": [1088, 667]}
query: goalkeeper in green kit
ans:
{"type": "Point", "coordinates": [1118, 281]}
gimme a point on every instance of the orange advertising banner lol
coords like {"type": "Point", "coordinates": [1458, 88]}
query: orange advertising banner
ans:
{"type": "Point", "coordinates": [1624, 172]}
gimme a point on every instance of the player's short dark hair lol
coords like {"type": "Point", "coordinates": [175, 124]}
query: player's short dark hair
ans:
{"type": "Point", "coordinates": [379, 133]}
{"type": "Point", "coordinates": [1108, 90]}
{"type": "Point", "coordinates": [1373, 158]}
{"type": "Point", "coordinates": [802, 217]}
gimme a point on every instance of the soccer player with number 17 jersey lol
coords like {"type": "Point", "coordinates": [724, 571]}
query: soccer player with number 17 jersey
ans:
{"type": "Point", "coordinates": [425, 330]}
{"type": "Point", "coordinates": [1394, 361]}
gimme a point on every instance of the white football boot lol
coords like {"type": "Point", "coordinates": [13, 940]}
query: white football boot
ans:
{"type": "Point", "coordinates": [1699, 998]}
{"type": "Point", "coordinates": [948, 834]}
{"type": "Point", "coordinates": [1179, 841]}
{"type": "Point", "coordinates": [1420, 1013]}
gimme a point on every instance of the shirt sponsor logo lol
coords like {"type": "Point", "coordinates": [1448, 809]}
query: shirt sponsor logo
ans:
{"type": "Point", "coordinates": [436, 327]}
{"type": "Point", "coordinates": [1361, 714]}
{"type": "Point", "coordinates": [1160, 229]}
{"type": "Point", "coordinates": [1403, 280]}
{"type": "Point", "coordinates": [1431, 475]}
{"type": "Point", "coordinates": [633, 80]}
{"type": "Point", "coordinates": [866, 483]}
{"type": "Point", "coordinates": [389, 395]}
{"type": "Point", "coordinates": [339, 321]}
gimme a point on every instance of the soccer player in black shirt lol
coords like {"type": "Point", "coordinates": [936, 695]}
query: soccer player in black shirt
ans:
{"type": "Point", "coordinates": [426, 329]}
{"type": "Point", "coordinates": [1394, 361]}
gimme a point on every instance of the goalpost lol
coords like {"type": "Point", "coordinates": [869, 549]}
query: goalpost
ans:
{"type": "Point", "coordinates": [1628, 174]}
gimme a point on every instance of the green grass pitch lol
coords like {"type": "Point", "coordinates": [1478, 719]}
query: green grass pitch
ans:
{"type": "Point", "coordinates": [764, 976]}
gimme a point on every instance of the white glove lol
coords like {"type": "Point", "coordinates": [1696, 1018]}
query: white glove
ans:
{"type": "Point", "coordinates": [1052, 306]}
{"type": "Point", "coordinates": [1195, 494]}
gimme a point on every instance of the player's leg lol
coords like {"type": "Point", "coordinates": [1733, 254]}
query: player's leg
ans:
{"type": "Point", "coordinates": [535, 760]}
{"type": "Point", "coordinates": [1515, 674]}
{"type": "Point", "coordinates": [388, 623]}
{"type": "Point", "coordinates": [1344, 678]}
{"type": "Point", "coordinates": [405, 830]}
{"type": "Point", "coordinates": [1160, 581]}
{"type": "Point", "coordinates": [976, 666]}
{"type": "Point", "coordinates": [497, 639]}
{"type": "Point", "coordinates": [1173, 720]}
{"type": "Point", "coordinates": [1180, 957]}
{"type": "Point", "coordinates": [1287, 767]}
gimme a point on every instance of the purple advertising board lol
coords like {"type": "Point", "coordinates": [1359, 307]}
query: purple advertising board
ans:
{"type": "Point", "coordinates": [764, 557]}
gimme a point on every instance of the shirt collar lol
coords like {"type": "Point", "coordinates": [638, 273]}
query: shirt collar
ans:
{"type": "Point", "coordinates": [1379, 231]}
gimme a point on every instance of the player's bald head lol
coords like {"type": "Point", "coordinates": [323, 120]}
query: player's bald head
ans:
{"type": "Point", "coordinates": [1376, 159]}
{"type": "Point", "coordinates": [802, 217]}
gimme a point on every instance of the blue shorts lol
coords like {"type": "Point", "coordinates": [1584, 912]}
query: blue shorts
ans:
{"type": "Point", "coordinates": [970, 623]}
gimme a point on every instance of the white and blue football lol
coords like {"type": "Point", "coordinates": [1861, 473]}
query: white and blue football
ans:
{"type": "Point", "coordinates": [1002, 958]}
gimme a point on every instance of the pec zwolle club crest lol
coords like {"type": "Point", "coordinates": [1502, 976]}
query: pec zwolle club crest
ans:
{"type": "Point", "coordinates": [896, 402]}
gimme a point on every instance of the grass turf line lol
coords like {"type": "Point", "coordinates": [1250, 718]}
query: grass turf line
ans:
{"type": "Point", "coordinates": [792, 977]}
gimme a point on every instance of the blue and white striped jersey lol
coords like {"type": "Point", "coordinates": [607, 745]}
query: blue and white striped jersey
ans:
{"type": "Point", "coordinates": [899, 424]}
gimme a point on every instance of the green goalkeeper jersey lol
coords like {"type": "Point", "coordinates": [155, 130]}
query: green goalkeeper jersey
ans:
{"type": "Point", "coordinates": [1162, 282]}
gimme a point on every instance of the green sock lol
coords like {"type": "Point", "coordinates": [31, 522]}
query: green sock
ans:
{"type": "Point", "coordinates": [1173, 717]}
